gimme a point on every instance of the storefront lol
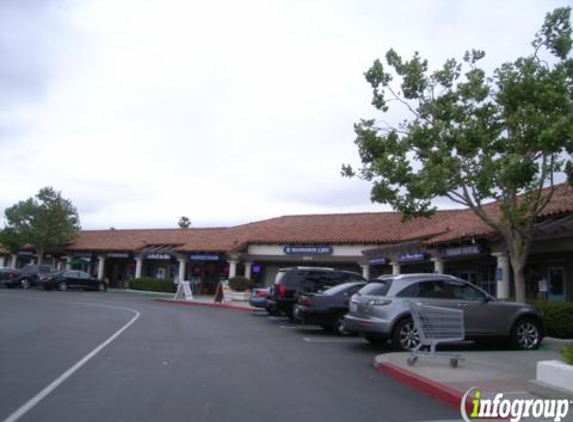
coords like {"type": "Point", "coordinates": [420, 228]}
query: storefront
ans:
{"type": "Point", "coordinates": [119, 268]}
{"type": "Point", "coordinates": [267, 259]}
{"type": "Point", "coordinates": [205, 271]}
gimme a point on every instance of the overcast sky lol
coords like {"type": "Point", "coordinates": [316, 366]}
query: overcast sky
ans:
{"type": "Point", "coordinates": [227, 112]}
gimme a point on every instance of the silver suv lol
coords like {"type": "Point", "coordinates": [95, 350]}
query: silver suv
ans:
{"type": "Point", "coordinates": [379, 311]}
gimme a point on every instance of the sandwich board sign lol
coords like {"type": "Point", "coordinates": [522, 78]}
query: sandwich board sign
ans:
{"type": "Point", "coordinates": [223, 293]}
{"type": "Point", "coordinates": [184, 291]}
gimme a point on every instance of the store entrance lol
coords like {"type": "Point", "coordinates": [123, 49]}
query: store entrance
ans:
{"type": "Point", "coordinates": [556, 284]}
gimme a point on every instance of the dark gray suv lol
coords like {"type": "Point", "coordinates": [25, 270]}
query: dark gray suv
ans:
{"type": "Point", "coordinates": [380, 312]}
{"type": "Point", "coordinates": [290, 282]}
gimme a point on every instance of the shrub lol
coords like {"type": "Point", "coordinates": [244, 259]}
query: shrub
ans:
{"type": "Point", "coordinates": [558, 318]}
{"type": "Point", "coordinates": [152, 285]}
{"type": "Point", "coordinates": [240, 283]}
{"type": "Point", "coordinates": [567, 353]}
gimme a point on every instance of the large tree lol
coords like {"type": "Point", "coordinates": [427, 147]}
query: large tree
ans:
{"type": "Point", "coordinates": [184, 222]}
{"type": "Point", "coordinates": [475, 138]}
{"type": "Point", "coordinates": [45, 221]}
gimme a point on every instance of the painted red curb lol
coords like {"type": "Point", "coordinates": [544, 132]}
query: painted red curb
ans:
{"type": "Point", "coordinates": [431, 388]}
{"type": "Point", "coordinates": [208, 305]}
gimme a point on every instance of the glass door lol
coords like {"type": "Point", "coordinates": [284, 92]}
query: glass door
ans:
{"type": "Point", "coordinates": [556, 284]}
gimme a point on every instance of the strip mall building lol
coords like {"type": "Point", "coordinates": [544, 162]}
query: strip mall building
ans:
{"type": "Point", "coordinates": [452, 241]}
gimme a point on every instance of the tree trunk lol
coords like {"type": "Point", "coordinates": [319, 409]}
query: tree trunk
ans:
{"type": "Point", "coordinates": [518, 251]}
{"type": "Point", "coordinates": [519, 276]}
{"type": "Point", "coordinates": [40, 255]}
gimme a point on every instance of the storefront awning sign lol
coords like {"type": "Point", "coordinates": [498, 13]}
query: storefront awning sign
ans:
{"type": "Point", "coordinates": [158, 256]}
{"type": "Point", "coordinates": [463, 250]}
{"type": "Point", "coordinates": [204, 257]}
{"type": "Point", "coordinates": [416, 256]}
{"type": "Point", "coordinates": [26, 253]}
{"type": "Point", "coordinates": [118, 255]}
{"type": "Point", "coordinates": [378, 261]}
{"type": "Point", "coordinates": [308, 250]}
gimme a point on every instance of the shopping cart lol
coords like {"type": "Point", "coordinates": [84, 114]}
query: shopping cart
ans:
{"type": "Point", "coordinates": [436, 325]}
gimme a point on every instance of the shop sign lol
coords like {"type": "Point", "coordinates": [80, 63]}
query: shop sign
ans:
{"type": "Point", "coordinates": [257, 269]}
{"type": "Point", "coordinates": [378, 261]}
{"type": "Point", "coordinates": [204, 257]}
{"type": "Point", "coordinates": [117, 255]}
{"type": "Point", "coordinates": [416, 256]}
{"type": "Point", "coordinates": [463, 250]}
{"type": "Point", "coordinates": [308, 250]}
{"type": "Point", "coordinates": [159, 256]}
{"type": "Point", "coordinates": [26, 253]}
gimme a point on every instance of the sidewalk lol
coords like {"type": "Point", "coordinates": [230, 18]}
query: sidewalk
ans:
{"type": "Point", "coordinates": [492, 371]}
{"type": "Point", "coordinates": [209, 301]}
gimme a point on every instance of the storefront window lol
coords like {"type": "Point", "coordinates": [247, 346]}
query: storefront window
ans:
{"type": "Point", "coordinates": [487, 278]}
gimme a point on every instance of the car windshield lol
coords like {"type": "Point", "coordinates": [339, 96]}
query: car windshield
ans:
{"type": "Point", "coordinates": [376, 288]}
{"type": "Point", "coordinates": [333, 291]}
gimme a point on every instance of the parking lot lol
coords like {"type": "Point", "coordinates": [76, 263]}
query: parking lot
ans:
{"type": "Point", "coordinates": [123, 357]}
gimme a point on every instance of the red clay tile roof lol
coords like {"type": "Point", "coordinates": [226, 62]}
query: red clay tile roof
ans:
{"type": "Point", "coordinates": [360, 228]}
{"type": "Point", "coordinates": [208, 240]}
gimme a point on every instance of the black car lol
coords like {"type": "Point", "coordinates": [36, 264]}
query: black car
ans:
{"type": "Point", "coordinates": [31, 274]}
{"type": "Point", "coordinates": [290, 282]}
{"type": "Point", "coordinates": [12, 277]}
{"type": "Point", "coordinates": [328, 308]}
{"type": "Point", "coordinates": [63, 280]}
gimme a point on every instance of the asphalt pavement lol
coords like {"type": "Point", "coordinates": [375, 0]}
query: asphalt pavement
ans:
{"type": "Point", "coordinates": [161, 362]}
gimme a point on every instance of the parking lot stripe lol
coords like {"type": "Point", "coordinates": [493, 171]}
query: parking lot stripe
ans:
{"type": "Point", "coordinates": [29, 405]}
{"type": "Point", "coordinates": [331, 340]}
{"type": "Point", "coordinates": [301, 327]}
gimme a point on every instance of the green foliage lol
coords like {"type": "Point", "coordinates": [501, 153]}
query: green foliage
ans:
{"type": "Point", "coordinates": [558, 318]}
{"type": "Point", "coordinates": [240, 283]}
{"type": "Point", "coordinates": [45, 220]}
{"type": "Point", "coordinates": [474, 137]}
{"type": "Point", "coordinates": [152, 285]}
{"type": "Point", "coordinates": [184, 222]}
{"type": "Point", "coordinates": [10, 240]}
{"type": "Point", "coordinates": [567, 353]}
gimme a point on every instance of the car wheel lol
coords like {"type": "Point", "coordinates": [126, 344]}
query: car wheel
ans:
{"type": "Point", "coordinates": [338, 325]}
{"type": "Point", "coordinates": [25, 283]}
{"type": "Point", "coordinates": [405, 336]}
{"type": "Point", "coordinates": [62, 286]}
{"type": "Point", "coordinates": [101, 287]}
{"type": "Point", "coordinates": [272, 311]}
{"type": "Point", "coordinates": [526, 334]}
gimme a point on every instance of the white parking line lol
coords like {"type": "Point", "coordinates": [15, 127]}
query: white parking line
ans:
{"type": "Point", "coordinates": [301, 327]}
{"type": "Point", "coordinates": [29, 405]}
{"type": "Point", "coordinates": [331, 340]}
{"type": "Point", "coordinates": [278, 318]}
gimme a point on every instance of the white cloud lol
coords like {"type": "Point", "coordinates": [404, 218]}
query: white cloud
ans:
{"type": "Point", "coordinates": [223, 111]}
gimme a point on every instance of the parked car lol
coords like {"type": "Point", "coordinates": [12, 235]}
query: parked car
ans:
{"type": "Point", "coordinates": [328, 308]}
{"type": "Point", "coordinates": [259, 298]}
{"type": "Point", "coordinates": [63, 280]}
{"type": "Point", "coordinates": [379, 311]}
{"type": "Point", "coordinates": [31, 274]}
{"type": "Point", "coordinates": [290, 282]}
{"type": "Point", "coordinates": [12, 277]}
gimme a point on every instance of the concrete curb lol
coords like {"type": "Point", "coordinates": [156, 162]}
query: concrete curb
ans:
{"type": "Point", "coordinates": [440, 392]}
{"type": "Point", "coordinates": [140, 292]}
{"type": "Point", "coordinates": [207, 305]}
